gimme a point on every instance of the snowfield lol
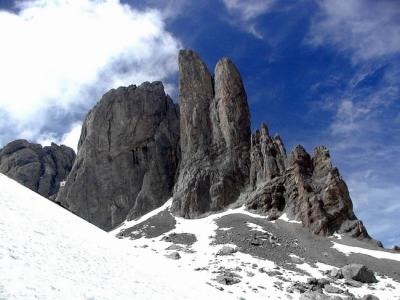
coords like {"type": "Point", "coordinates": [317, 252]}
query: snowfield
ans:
{"type": "Point", "coordinates": [48, 253]}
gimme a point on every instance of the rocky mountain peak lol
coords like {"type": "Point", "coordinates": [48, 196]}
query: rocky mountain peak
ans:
{"type": "Point", "coordinates": [41, 169]}
{"type": "Point", "coordinates": [137, 149]}
{"type": "Point", "coordinates": [127, 158]}
{"type": "Point", "coordinates": [215, 136]}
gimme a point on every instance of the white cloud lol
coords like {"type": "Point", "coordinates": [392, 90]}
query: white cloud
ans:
{"type": "Point", "coordinates": [368, 29]}
{"type": "Point", "coordinates": [244, 13]}
{"type": "Point", "coordinates": [70, 138]}
{"type": "Point", "coordinates": [59, 56]}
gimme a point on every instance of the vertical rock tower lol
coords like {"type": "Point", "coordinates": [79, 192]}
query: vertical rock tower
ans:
{"type": "Point", "coordinates": [215, 136]}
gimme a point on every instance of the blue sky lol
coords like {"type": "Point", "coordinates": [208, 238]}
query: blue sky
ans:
{"type": "Point", "coordinates": [318, 72]}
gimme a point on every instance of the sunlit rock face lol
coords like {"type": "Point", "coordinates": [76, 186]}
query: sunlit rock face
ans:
{"type": "Point", "coordinates": [215, 136]}
{"type": "Point", "coordinates": [308, 189]}
{"type": "Point", "coordinates": [127, 157]}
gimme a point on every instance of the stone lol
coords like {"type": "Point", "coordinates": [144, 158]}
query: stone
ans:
{"type": "Point", "coordinates": [173, 255]}
{"type": "Point", "coordinates": [359, 273]}
{"type": "Point", "coordinates": [228, 278]}
{"type": "Point", "coordinates": [128, 155]}
{"type": "Point", "coordinates": [369, 297]}
{"type": "Point", "coordinates": [41, 169]}
{"type": "Point", "coordinates": [226, 250]}
{"type": "Point", "coordinates": [215, 136]}
{"type": "Point", "coordinates": [333, 289]}
{"type": "Point", "coordinates": [336, 273]}
{"type": "Point", "coordinates": [318, 296]}
{"type": "Point", "coordinates": [353, 283]}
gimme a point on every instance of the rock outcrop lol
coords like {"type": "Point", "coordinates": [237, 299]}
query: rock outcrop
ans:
{"type": "Point", "coordinates": [136, 150]}
{"type": "Point", "coordinates": [40, 169]}
{"type": "Point", "coordinates": [127, 158]}
{"type": "Point", "coordinates": [215, 136]}
{"type": "Point", "coordinates": [308, 189]}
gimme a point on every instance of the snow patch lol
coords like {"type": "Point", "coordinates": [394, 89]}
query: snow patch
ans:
{"type": "Point", "coordinates": [285, 218]}
{"type": "Point", "coordinates": [374, 253]}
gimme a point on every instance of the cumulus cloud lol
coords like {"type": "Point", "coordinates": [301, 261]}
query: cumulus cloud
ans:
{"type": "Point", "coordinates": [368, 29]}
{"type": "Point", "coordinates": [246, 12]}
{"type": "Point", "coordinates": [58, 56]}
{"type": "Point", "coordinates": [70, 138]}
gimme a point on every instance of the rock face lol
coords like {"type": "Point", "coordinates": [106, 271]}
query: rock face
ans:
{"type": "Point", "coordinates": [136, 150]}
{"type": "Point", "coordinates": [308, 189]}
{"type": "Point", "coordinates": [40, 169]}
{"type": "Point", "coordinates": [215, 136]}
{"type": "Point", "coordinates": [127, 159]}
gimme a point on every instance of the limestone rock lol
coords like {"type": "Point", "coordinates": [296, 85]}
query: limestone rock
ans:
{"type": "Point", "coordinates": [40, 169]}
{"type": "Point", "coordinates": [226, 250]}
{"type": "Point", "coordinates": [215, 136]}
{"type": "Point", "coordinates": [308, 189]}
{"type": "Point", "coordinates": [174, 255]}
{"type": "Point", "coordinates": [128, 155]}
{"type": "Point", "coordinates": [268, 156]}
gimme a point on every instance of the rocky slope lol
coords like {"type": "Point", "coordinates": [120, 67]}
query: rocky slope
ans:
{"type": "Point", "coordinates": [127, 159]}
{"type": "Point", "coordinates": [41, 169]}
{"type": "Point", "coordinates": [248, 256]}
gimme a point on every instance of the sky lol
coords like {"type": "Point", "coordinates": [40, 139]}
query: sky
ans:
{"type": "Point", "coordinates": [316, 71]}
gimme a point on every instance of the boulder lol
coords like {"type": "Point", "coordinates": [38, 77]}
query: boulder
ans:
{"type": "Point", "coordinates": [359, 273]}
{"type": "Point", "coordinates": [41, 169]}
{"type": "Point", "coordinates": [226, 250]}
{"type": "Point", "coordinates": [228, 278]}
{"type": "Point", "coordinates": [174, 255]}
{"type": "Point", "coordinates": [127, 158]}
{"type": "Point", "coordinates": [333, 289]}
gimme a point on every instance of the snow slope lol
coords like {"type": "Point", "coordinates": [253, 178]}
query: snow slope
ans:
{"type": "Point", "coordinates": [48, 253]}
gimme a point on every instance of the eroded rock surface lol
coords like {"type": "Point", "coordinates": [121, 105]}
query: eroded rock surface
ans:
{"type": "Point", "coordinates": [127, 157]}
{"type": "Point", "coordinates": [40, 169]}
{"type": "Point", "coordinates": [215, 136]}
{"type": "Point", "coordinates": [307, 188]}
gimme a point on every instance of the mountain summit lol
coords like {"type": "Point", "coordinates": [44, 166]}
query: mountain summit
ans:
{"type": "Point", "coordinates": [201, 206]}
{"type": "Point", "coordinates": [137, 149]}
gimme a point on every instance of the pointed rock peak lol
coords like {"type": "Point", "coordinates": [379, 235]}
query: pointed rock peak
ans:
{"type": "Point", "coordinates": [264, 129]}
{"type": "Point", "coordinates": [299, 150]}
{"type": "Point", "coordinates": [227, 78]}
{"type": "Point", "coordinates": [299, 155]}
{"type": "Point", "coordinates": [190, 64]}
{"type": "Point", "coordinates": [195, 95]}
{"type": "Point", "coordinates": [231, 105]}
{"type": "Point", "coordinates": [322, 152]}
{"type": "Point", "coordinates": [225, 65]}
